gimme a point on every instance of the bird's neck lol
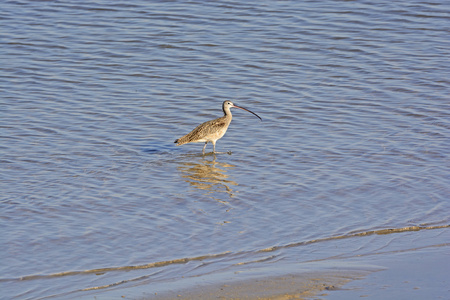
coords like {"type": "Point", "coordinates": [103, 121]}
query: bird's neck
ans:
{"type": "Point", "coordinates": [227, 113]}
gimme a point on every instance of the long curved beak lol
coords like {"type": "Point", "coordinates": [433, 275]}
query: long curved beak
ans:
{"type": "Point", "coordinates": [234, 105]}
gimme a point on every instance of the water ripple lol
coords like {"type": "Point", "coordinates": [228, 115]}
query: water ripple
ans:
{"type": "Point", "coordinates": [354, 99]}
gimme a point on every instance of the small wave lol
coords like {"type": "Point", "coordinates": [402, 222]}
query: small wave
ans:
{"type": "Point", "coordinates": [101, 271]}
{"type": "Point", "coordinates": [122, 268]}
{"type": "Point", "coordinates": [357, 234]}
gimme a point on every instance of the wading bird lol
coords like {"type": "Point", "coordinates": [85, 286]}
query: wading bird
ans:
{"type": "Point", "coordinates": [213, 130]}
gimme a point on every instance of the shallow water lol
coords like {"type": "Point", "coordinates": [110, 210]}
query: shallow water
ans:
{"type": "Point", "coordinates": [96, 198]}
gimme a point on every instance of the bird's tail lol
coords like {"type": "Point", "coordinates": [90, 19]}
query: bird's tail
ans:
{"type": "Point", "coordinates": [182, 140]}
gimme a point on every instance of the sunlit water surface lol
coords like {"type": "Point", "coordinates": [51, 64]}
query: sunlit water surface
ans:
{"type": "Point", "coordinates": [96, 198]}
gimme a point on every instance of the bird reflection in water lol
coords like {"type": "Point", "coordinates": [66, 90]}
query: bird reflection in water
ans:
{"type": "Point", "coordinates": [208, 175]}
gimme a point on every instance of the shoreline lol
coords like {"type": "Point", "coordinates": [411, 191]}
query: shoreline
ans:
{"type": "Point", "coordinates": [408, 267]}
{"type": "Point", "coordinates": [418, 273]}
{"type": "Point", "coordinates": [283, 287]}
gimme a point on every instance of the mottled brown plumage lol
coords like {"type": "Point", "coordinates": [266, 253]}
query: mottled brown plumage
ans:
{"type": "Point", "coordinates": [213, 130]}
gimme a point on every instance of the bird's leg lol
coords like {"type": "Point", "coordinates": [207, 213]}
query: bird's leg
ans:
{"type": "Point", "coordinates": [204, 148]}
{"type": "Point", "coordinates": [214, 150]}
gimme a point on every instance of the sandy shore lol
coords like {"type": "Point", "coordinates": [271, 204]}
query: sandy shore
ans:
{"type": "Point", "coordinates": [417, 273]}
{"type": "Point", "coordinates": [406, 266]}
{"type": "Point", "coordinates": [293, 286]}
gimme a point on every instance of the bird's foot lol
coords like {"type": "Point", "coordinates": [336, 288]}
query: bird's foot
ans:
{"type": "Point", "coordinates": [228, 152]}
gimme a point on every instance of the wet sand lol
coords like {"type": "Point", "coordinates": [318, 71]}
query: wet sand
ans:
{"type": "Point", "coordinates": [292, 286]}
{"type": "Point", "coordinates": [419, 273]}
